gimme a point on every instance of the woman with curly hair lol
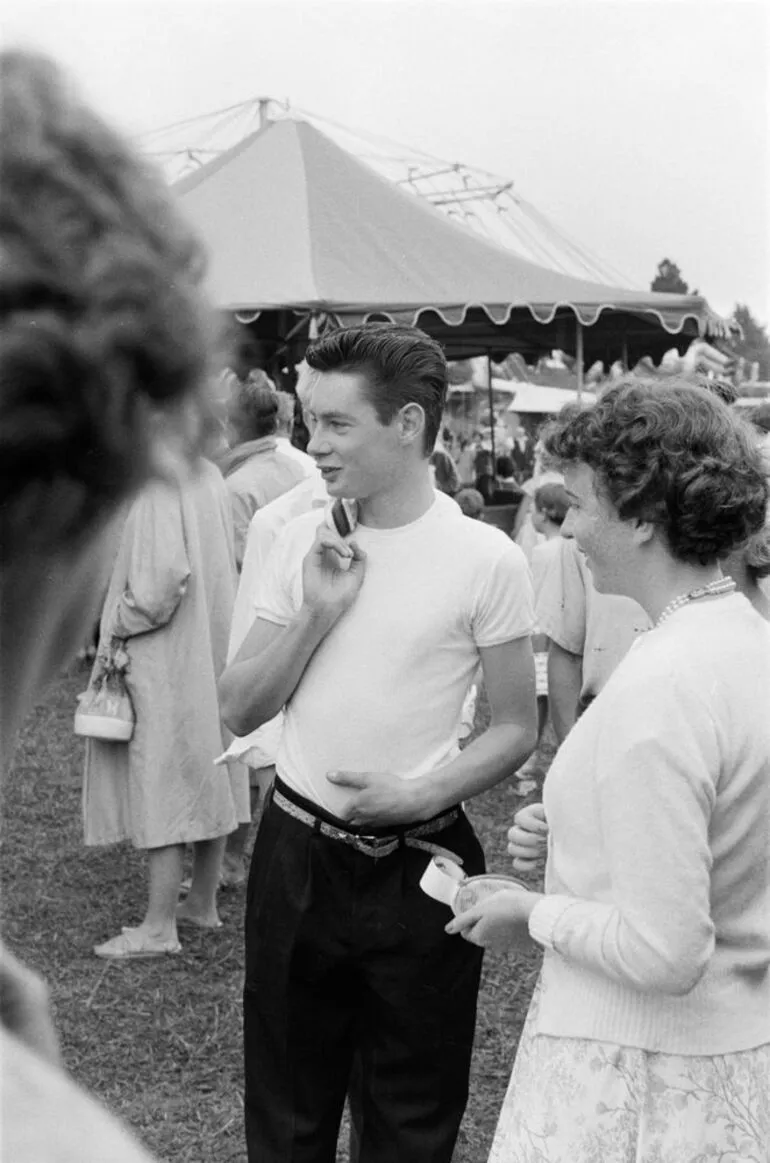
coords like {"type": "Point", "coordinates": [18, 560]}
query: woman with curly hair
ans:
{"type": "Point", "coordinates": [649, 1035]}
{"type": "Point", "coordinates": [104, 341]}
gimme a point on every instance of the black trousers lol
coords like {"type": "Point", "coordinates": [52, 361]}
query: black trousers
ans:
{"type": "Point", "coordinates": [347, 960]}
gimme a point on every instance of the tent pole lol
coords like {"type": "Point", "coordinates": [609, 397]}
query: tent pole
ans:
{"type": "Point", "coordinates": [579, 360]}
{"type": "Point", "coordinates": [263, 109]}
{"type": "Point", "coordinates": [491, 414]}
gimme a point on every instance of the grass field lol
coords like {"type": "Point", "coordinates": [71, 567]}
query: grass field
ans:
{"type": "Point", "coordinates": [160, 1041]}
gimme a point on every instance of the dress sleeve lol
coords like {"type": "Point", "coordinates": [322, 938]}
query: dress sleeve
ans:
{"type": "Point", "coordinates": [561, 600]}
{"type": "Point", "coordinates": [656, 771]}
{"type": "Point", "coordinates": [158, 566]}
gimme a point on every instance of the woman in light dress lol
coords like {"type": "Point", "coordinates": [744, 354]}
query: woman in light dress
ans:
{"type": "Point", "coordinates": [648, 1039]}
{"type": "Point", "coordinates": [170, 603]}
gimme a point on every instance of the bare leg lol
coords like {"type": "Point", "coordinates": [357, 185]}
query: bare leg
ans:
{"type": "Point", "coordinates": [201, 903]}
{"type": "Point", "coordinates": [164, 869]}
{"type": "Point", "coordinates": [234, 866]}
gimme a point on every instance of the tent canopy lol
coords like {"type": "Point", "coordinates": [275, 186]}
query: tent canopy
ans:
{"type": "Point", "coordinates": [291, 220]}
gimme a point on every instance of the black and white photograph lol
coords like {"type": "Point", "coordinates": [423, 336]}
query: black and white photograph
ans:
{"type": "Point", "coordinates": [385, 581]}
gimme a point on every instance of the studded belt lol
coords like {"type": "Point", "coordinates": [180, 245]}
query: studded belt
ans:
{"type": "Point", "coordinates": [375, 846]}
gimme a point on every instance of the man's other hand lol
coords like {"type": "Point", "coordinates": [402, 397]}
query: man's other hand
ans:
{"type": "Point", "coordinates": [379, 798]}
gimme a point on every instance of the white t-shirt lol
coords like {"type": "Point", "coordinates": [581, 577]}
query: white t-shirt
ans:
{"type": "Point", "coordinates": [260, 747]}
{"type": "Point", "coordinates": [265, 526]}
{"type": "Point", "coordinates": [384, 690]}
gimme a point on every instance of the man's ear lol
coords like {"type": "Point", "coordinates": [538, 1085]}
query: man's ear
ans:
{"type": "Point", "coordinates": [411, 422]}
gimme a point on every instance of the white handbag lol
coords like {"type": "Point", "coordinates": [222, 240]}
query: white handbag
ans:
{"type": "Point", "coordinates": [105, 710]}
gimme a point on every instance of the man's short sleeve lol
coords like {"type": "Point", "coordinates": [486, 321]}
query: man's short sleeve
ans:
{"type": "Point", "coordinates": [561, 601]}
{"type": "Point", "coordinates": [504, 607]}
{"type": "Point", "coordinates": [278, 593]}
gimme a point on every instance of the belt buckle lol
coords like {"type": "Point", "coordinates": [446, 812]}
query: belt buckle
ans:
{"type": "Point", "coordinates": [369, 844]}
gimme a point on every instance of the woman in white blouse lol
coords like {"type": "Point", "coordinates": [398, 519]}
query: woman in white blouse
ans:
{"type": "Point", "coordinates": [648, 1039]}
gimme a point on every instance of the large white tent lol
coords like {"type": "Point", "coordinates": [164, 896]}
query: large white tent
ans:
{"type": "Point", "coordinates": [294, 222]}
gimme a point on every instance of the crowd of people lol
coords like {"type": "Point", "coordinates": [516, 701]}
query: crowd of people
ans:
{"type": "Point", "coordinates": [301, 630]}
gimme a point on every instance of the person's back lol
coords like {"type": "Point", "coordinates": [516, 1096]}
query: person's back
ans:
{"type": "Point", "coordinates": [208, 532]}
{"type": "Point", "coordinates": [590, 632]}
{"type": "Point", "coordinates": [256, 469]}
{"type": "Point", "coordinates": [541, 561]}
{"type": "Point", "coordinates": [170, 599]}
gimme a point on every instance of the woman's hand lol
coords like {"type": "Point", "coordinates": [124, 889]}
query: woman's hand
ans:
{"type": "Point", "coordinates": [499, 922]}
{"type": "Point", "coordinates": [528, 838]}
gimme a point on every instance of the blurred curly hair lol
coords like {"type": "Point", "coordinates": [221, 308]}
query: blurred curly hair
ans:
{"type": "Point", "coordinates": [675, 455]}
{"type": "Point", "coordinates": [104, 333]}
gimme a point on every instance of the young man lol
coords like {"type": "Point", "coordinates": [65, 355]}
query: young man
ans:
{"type": "Point", "coordinates": [370, 642]}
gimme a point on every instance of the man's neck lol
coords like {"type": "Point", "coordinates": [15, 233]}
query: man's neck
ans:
{"type": "Point", "coordinates": [409, 499]}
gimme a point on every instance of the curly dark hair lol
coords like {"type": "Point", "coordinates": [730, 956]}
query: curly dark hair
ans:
{"type": "Point", "coordinates": [104, 333]}
{"type": "Point", "coordinates": [402, 366]}
{"type": "Point", "coordinates": [675, 455]}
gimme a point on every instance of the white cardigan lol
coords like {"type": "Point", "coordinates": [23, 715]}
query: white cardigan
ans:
{"type": "Point", "coordinates": [656, 919]}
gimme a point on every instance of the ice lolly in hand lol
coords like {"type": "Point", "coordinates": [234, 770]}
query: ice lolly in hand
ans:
{"type": "Point", "coordinates": [342, 516]}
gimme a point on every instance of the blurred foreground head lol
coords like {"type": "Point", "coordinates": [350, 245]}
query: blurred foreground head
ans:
{"type": "Point", "coordinates": [104, 335]}
{"type": "Point", "coordinates": [104, 349]}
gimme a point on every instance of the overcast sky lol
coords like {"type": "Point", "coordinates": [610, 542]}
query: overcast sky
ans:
{"type": "Point", "coordinates": [640, 128]}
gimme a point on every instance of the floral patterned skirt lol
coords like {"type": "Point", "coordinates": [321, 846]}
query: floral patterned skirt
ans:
{"type": "Point", "coordinates": [574, 1100]}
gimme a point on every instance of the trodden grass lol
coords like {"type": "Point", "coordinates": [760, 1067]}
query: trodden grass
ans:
{"type": "Point", "coordinates": [160, 1041]}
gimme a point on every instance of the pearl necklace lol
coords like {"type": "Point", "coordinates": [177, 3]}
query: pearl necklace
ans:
{"type": "Point", "coordinates": [723, 585]}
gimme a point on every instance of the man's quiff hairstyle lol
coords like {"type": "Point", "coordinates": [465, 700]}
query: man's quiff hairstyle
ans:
{"type": "Point", "coordinates": [675, 455]}
{"type": "Point", "coordinates": [402, 365]}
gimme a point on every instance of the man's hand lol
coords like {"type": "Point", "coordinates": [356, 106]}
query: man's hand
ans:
{"type": "Point", "coordinates": [528, 838]}
{"type": "Point", "coordinates": [379, 798]}
{"type": "Point", "coordinates": [500, 922]}
{"type": "Point", "coordinates": [332, 574]}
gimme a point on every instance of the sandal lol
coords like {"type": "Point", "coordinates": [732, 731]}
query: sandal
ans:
{"type": "Point", "coordinates": [133, 945]}
{"type": "Point", "coordinates": [184, 919]}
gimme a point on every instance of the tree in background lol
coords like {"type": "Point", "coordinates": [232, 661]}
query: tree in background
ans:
{"type": "Point", "coordinates": [754, 347]}
{"type": "Point", "coordinates": [669, 280]}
